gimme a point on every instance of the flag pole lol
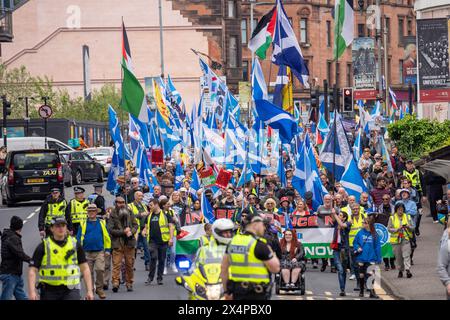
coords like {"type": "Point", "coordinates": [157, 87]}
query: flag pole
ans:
{"type": "Point", "coordinates": [335, 92]}
{"type": "Point", "coordinates": [122, 129]}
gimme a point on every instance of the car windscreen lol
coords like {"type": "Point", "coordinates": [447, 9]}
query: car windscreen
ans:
{"type": "Point", "coordinates": [35, 160]}
{"type": "Point", "coordinates": [98, 152]}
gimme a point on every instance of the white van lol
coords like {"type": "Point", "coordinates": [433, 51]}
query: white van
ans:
{"type": "Point", "coordinates": [26, 143]}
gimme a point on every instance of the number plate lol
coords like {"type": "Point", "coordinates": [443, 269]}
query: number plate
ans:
{"type": "Point", "coordinates": [36, 189]}
{"type": "Point", "coordinates": [40, 180]}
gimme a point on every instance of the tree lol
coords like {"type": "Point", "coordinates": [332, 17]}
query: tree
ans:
{"type": "Point", "coordinates": [415, 138]}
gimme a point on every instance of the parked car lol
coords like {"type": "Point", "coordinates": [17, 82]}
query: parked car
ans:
{"type": "Point", "coordinates": [30, 175]}
{"type": "Point", "coordinates": [102, 155]}
{"type": "Point", "coordinates": [84, 168]}
{"type": "Point", "coordinates": [28, 143]}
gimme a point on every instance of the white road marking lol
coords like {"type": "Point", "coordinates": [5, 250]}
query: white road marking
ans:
{"type": "Point", "coordinates": [308, 292]}
{"type": "Point", "coordinates": [31, 215]}
{"type": "Point", "coordinates": [329, 298]}
{"type": "Point", "coordinates": [328, 293]}
{"type": "Point", "coordinates": [309, 298]}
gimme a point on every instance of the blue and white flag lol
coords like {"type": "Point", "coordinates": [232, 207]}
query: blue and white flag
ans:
{"type": "Point", "coordinates": [286, 48]}
{"type": "Point", "coordinates": [357, 150]}
{"type": "Point", "coordinates": [299, 177]}
{"type": "Point", "coordinates": [385, 154]}
{"type": "Point", "coordinates": [282, 172]}
{"type": "Point", "coordinates": [278, 119]}
{"type": "Point", "coordinates": [169, 139]}
{"type": "Point", "coordinates": [280, 83]}
{"type": "Point", "coordinates": [118, 161]}
{"type": "Point", "coordinates": [207, 209]}
{"type": "Point", "coordinates": [352, 181]}
{"type": "Point", "coordinates": [179, 176]}
{"type": "Point", "coordinates": [258, 82]}
{"type": "Point", "coordinates": [338, 144]}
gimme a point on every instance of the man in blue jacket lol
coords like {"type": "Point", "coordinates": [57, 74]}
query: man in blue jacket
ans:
{"type": "Point", "coordinates": [95, 240]}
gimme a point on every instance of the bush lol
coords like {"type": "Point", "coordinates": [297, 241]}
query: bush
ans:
{"type": "Point", "coordinates": [415, 138]}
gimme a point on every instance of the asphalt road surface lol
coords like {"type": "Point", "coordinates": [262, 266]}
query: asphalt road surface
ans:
{"type": "Point", "coordinates": [319, 285]}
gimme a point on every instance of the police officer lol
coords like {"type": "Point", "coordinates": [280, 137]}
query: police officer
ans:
{"type": "Point", "coordinates": [59, 261]}
{"type": "Point", "coordinates": [54, 206]}
{"type": "Point", "coordinates": [77, 208]}
{"type": "Point", "coordinates": [98, 199]}
{"type": "Point", "coordinates": [248, 262]}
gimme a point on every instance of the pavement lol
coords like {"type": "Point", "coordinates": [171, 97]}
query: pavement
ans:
{"type": "Point", "coordinates": [319, 285]}
{"type": "Point", "coordinates": [425, 283]}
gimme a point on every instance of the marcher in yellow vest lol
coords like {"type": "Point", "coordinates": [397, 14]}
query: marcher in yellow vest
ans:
{"type": "Point", "coordinates": [88, 235]}
{"type": "Point", "coordinates": [356, 219]}
{"type": "Point", "coordinates": [59, 261]}
{"type": "Point", "coordinates": [140, 211]}
{"type": "Point", "coordinates": [205, 239]}
{"type": "Point", "coordinates": [248, 262]}
{"type": "Point", "coordinates": [54, 206]}
{"type": "Point", "coordinates": [401, 228]}
{"type": "Point", "coordinates": [347, 209]}
{"type": "Point", "coordinates": [159, 229]}
{"type": "Point", "coordinates": [77, 208]}
{"type": "Point", "coordinates": [413, 175]}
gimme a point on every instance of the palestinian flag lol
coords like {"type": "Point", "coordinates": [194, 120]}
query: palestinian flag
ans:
{"type": "Point", "coordinates": [188, 241]}
{"type": "Point", "coordinates": [343, 26]}
{"type": "Point", "coordinates": [133, 97]}
{"type": "Point", "coordinates": [263, 34]}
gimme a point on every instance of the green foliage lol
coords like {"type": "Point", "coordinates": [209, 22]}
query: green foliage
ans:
{"type": "Point", "coordinates": [415, 138]}
{"type": "Point", "coordinates": [18, 82]}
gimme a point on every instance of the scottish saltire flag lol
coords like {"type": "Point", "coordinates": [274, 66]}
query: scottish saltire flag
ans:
{"type": "Point", "coordinates": [174, 98]}
{"type": "Point", "coordinates": [179, 176]}
{"type": "Point", "coordinates": [233, 105]}
{"type": "Point", "coordinates": [282, 172]}
{"type": "Point", "coordinates": [246, 176]}
{"type": "Point", "coordinates": [393, 98]}
{"type": "Point", "coordinates": [322, 130]}
{"type": "Point", "coordinates": [357, 150]}
{"type": "Point", "coordinates": [286, 49]}
{"type": "Point", "coordinates": [313, 182]}
{"type": "Point", "coordinates": [117, 169]}
{"type": "Point", "coordinates": [167, 135]}
{"type": "Point", "coordinates": [299, 178]}
{"type": "Point", "coordinates": [376, 111]}
{"type": "Point", "coordinates": [385, 154]}
{"type": "Point", "coordinates": [258, 82]}
{"type": "Point", "coordinates": [288, 221]}
{"type": "Point", "coordinates": [235, 135]}
{"type": "Point", "coordinates": [364, 117]}
{"type": "Point", "coordinates": [207, 209]}
{"type": "Point", "coordinates": [136, 143]}
{"type": "Point", "coordinates": [155, 140]}
{"type": "Point", "coordinates": [195, 183]}
{"type": "Point", "coordinates": [143, 130]}
{"type": "Point", "coordinates": [340, 147]}
{"type": "Point", "coordinates": [352, 181]}
{"type": "Point", "coordinates": [118, 161]}
{"type": "Point", "coordinates": [277, 119]}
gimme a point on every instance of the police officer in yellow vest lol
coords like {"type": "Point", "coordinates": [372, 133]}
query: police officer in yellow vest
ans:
{"type": "Point", "coordinates": [54, 206]}
{"type": "Point", "coordinates": [94, 238]}
{"type": "Point", "coordinates": [159, 230]}
{"type": "Point", "coordinates": [248, 263]}
{"type": "Point", "coordinates": [413, 175]}
{"type": "Point", "coordinates": [207, 237]}
{"type": "Point", "coordinates": [140, 211]}
{"type": "Point", "coordinates": [59, 261]}
{"type": "Point", "coordinates": [356, 219]}
{"type": "Point", "coordinates": [401, 228]}
{"type": "Point", "coordinates": [77, 208]}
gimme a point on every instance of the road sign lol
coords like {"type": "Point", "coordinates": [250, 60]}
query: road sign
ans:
{"type": "Point", "coordinates": [45, 111]}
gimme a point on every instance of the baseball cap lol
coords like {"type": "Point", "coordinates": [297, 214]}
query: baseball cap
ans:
{"type": "Point", "coordinates": [59, 220]}
{"type": "Point", "coordinates": [92, 206]}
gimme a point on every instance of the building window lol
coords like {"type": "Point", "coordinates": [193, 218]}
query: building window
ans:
{"type": "Point", "coordinates": [255, 23]}
{"type": "Point", "coordinates": [303, 30]}
{"type": "Point", "coordinates": [244, 31]}
{"type": "Point", "coordinates": [349, 74]}
{"type": "Point", "coordinates": [361, 30]}
{"type": "Point", "coordinates": [410, 32]}
{"type": "Point", "coordinates": [233, 52]}
{"type": "Point", "coordinates": [400, 71]}
{"type": "Point", "coordinates": [245, 73]}
{"type": "Point", "coordinates": [328, 33]}
{"type": "Point", "coordinates": [329, 72]}
{"type": "Point", "coordinates": [400, 31]}
{"type": "Point", "coordinates": [231, 9]}
{"type": "Point", "coordinates": [388, 30]}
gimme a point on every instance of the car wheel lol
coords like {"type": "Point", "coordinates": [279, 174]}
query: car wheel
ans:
{"type": "Point", "coordinates": [78, 177]}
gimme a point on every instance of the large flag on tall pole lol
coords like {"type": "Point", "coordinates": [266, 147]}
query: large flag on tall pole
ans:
{"type": "Point", "coordinates": [343, 26]}
{"type": "Point", "coordinates": [133, 97]}
{"type": "Point", "coordinates": [263, 34]}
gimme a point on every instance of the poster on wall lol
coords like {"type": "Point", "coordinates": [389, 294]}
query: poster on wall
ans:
{"type": "Point", "coordinates": [432, 39]}
{"type": "Point", "coordinates": [364, 65]}
{"type": "Point", "coordinates": [410, 60]}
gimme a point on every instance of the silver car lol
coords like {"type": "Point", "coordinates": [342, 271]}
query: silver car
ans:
{"type": "Point", "coordinates": [102, 155]}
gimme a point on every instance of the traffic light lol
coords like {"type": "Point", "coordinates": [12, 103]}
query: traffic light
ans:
{"type": "Point", "coordinates": [348, 99]}
{"type": "Point", "coordinates": [335, 99]}
{"type": "Point", "coordinates": [314, 98]}
{"type": "Point", "coordinates": [6, 108]}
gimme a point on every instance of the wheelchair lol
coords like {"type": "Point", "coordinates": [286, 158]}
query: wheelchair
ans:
{"type": "Point", "coordinates": [299, 286]}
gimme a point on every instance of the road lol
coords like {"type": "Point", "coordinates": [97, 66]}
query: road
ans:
{"type": "Point", "coordinates": [319, 286]}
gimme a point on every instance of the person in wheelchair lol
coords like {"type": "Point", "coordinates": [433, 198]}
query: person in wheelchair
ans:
{"type": "Point", "coordinates": [292, 261]}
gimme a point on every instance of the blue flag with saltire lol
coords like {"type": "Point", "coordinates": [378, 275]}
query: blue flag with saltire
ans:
{"type": "Point", "coordinates": [143, 131]}
{"type": "Point", "coordinates": [352, 181]}
{"type": "Point", "coordinates": [288, 221]}
{"type": "Point", "coordinates": [357, 150]}
{"type": "Point", "coordinates": [313, 182]}
{"type": "Point", "coordinates": [195, 184]}
{"type": "Point", "coordinates": [286, 48]}
{"type": "Point", "coordinates": [207, 209]}
{"type": "Point", "coordinates": [179, 176]}
{"type": "Point", "coordinates": [277, 118]}
{"type": "Point", "coordinates": [385, 154]}
{"type": "Point", "coordinates": [246, 176]}
{"type": "Point", "coordinates": [117, 169]}
{"type": "Point", "coordinates": [258, 82]}
{"type": "Point", "coordinates": [169, 139]}
{"type": "Point", "coordinates": [282, 172]}
{"type": "Point", "coordinates": [376, 111]}
{"type": "Point", "coordinates": [299, 177]}
{"type": "Point", "coordinates": [281, 82]}
{"type": "Point", "coordinates": [336, 142]}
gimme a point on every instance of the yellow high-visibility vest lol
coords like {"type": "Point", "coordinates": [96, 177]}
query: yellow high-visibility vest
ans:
{"type": "Point", "coordinates": [244, 265]}
{"type": "Point", "coordinates": [78, 210]}
{"type": "Point", "coordinates": [57, 209]}
{"type": "Point", "coordinates": [396, 224]}
{"type": "Point", "coordinates": [163, 225]}
{"type": "Point", "coordinates": [57, 268]}
{"type": "Point", "coordinates": [414, 178]}
{"type": "Point", "coordinates": [135, 210]}
{"type": "Point", "coordinates": [106, 237]}
{"type": "Point", "coordinates": [356, 226]}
